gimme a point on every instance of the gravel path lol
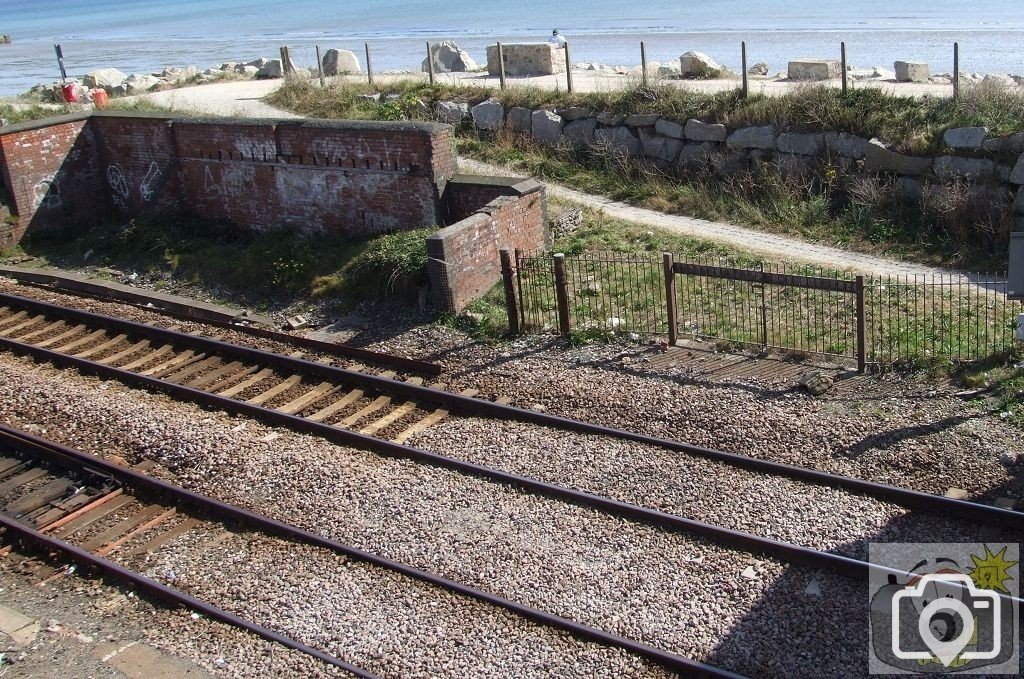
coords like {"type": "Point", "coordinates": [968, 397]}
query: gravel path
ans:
{"type": "Point", "coordinates": [682, 594]}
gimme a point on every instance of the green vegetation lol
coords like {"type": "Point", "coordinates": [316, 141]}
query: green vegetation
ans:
{"type": "Point", "coordinates": [951, 224]}
{"type": "Point", "coordinates": [1000, 378]}
{"type": "Point", "coordinates": [256, 267]}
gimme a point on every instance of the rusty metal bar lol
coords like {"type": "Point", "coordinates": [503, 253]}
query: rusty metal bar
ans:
{"type": "Point", "coordinates": [510, 292]}
{"type": "Point", "coordinates": [562, 294]}
{"type": "Point", "coordinates": [670, 299]}
{"type": "Point", "coordinates": [766, 277]}
{"type": "Point", "coordinates": [862, 339]}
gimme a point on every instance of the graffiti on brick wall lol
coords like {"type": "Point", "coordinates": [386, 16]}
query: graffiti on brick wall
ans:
{"type": "Point", "coordinates": [234, 181]}
{"type": "Point", "coordinates": [147, 188]}
{"type": "Point", "coordinates": [331, 152]}
{"type": "Point", "coordinates": [117, 180]}
{"type": "Point", "coordinates": [256, 149]}
{"type": "Point", "coordinates": [46, 192]}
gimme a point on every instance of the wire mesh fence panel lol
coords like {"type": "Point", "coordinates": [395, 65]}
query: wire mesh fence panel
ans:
{"type": "Point", "coordinates": [535, 280]}
{"type": "Point", "coordinates": [616, 293]}
{"type": "Point", "coordinates": [945, 317]}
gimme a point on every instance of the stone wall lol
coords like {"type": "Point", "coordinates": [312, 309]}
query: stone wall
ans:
{"type": "Point", "coordinates": [463, 260]}
{"type": "Point", "coordinates": [993, 164]}
{"type": "Point", "coordinates": [527, 58]}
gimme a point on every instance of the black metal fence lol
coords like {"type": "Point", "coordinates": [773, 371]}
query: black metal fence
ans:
{"type": "Point", "coordinates": [805, 309]}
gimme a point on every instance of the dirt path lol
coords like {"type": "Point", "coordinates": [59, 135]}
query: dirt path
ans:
{"type": "Point", "coordinates": [245, 99]}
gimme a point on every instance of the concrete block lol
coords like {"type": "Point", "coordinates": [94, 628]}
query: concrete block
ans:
{"type": "Point", "coordinates": [814, 69]}
{"type": "Point", "coordinates": [911, 71]}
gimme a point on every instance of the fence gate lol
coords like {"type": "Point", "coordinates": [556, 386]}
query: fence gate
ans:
{"type": "Point", "coordinates": [775, 308]}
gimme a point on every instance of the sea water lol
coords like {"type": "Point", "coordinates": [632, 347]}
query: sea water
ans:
{"type": "Point", "coordinates": [142, 36]}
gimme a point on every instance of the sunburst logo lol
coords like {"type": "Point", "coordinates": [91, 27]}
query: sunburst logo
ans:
{"type": "Point", "coordinates": [991, 571]}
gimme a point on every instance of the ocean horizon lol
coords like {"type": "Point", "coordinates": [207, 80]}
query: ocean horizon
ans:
{"type": "Point", "coordinates": [145, 36]}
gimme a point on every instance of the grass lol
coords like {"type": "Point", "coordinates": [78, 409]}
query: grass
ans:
{"type": "Point", "coordinates": [254, 267]}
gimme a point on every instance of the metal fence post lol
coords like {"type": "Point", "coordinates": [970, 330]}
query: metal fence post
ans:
{"type": "Point", "coordinates": [369, 64]}
{"type": "Point", "coordinates": [501, 65]}
{"type": "Point", "coordinates": [743, 68]}
{"type": "Point", "coordinates": [430, 64]}
{"type": "Point", "coordinates": [862, 339]}
{"type": "Point", "coordinates": [568, 69]}
{"type": "Point", "coordinates": [320, 66]}
{"type": "Point", "coordinates": [562, 294]}
{"type": "Point", "coordinates": [510, 292]}
{"type": "Point", "coordinates": [670, 298]}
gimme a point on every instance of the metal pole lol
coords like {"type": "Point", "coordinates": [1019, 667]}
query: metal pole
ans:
{"type": "Point", "coordinates": [60, 63]}
{"type": "Point", "coordinates": [670, 298]}
{"type": "Point", "coordinates": [956, 70]}
{"type": "Point", "coordinates": [510, 292]}
{"type": "Point", "coordinates": [643, 63]}
{"type": "Point", "coordinates": [430, 64]}
{"type": "Point", "coordinates": [369, 64]}
{"type": "Point", "coordinates": [501, 65]}
{"type": "Point", "coordinates": [562, 294]}
{"type": "Point", "coordinates": [568, 69]}
{"type": "Point", "coordinates": [861, 327]}
{"type": "Point", "coordinates": [743, 61]}
{"type": "Point", "coordinates": [842, 57]}
{"type": "Point", "coordinates": [320, 66]}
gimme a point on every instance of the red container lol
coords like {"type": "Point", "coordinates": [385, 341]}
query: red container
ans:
{"type": "Point", "coordinates": [100, 98]}
{"type": "Point", "coordinates": [70, 93]}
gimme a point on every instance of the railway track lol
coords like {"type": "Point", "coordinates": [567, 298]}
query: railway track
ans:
{"type": "Point", "coordinates": [105, 517]}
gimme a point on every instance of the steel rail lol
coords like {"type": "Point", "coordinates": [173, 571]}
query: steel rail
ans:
{"type": "Point", "coordinates": [911, 499]}
{"type": "Point", "coordinates": [71, 458]}
{"type": "Point", "coordinates": [846, 566]}
{"type": "Point", "coordinates": [158, 590]}
{"type": "Point", "coordinates": [344, 350]}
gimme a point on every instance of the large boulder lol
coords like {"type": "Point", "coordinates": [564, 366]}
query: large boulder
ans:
{"type": "Point", "coordinates": [877, 158]}
{"type": "Point", "coordinates": [271, 69]}
{"type": "Point", "coordinates": [519, 119]}
{"type": "Point", "coordinates": [814, 69]}
{"type": "Point", "coordinates": [670, 128]}
{"type": "Point", "coordinates": [451, 112]}
{"type": "Point", "coordinates": [911, 71]}
{"type": "Point", "coordinates": [660, 148]}
{"type": "Point", "coordinates": [619, 139]}
{"type": "Point", "coordinates": [106, 78]}
{"type": "Point", "coordinates": [580, 132]}
{"type": "Point", "coordinates": [699, 65]}
{"type": "Point", "coordinates": [752, 138]}
{"type": "Point", "coordinates": [136, 83]}
{"type": "Point", "coordinates": [698, 131]}
{"type": "Point", "coordinates": [1017, 175]}
{"type": "Point", "coordinates": [547, 127]}
{"type": "Point", "coordinates": [338, 62]}
{"type": "Point", "coordinates": [448, 58]}
{"type": "Point", "coordinates": [965, 137]}
{"type": "Point", "coordinates": [955, 167]}
{"type": "Point", "coordinates": [845, 144]}
{"type": "Point", "coordinates": [806, 144]}
{"type": "Point", "coordinates": [488, 115]}
{"type": "Point", "coordinates": [697, 155]}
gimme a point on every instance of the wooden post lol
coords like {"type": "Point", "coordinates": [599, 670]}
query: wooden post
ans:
{"type": "Point", "coordinates": [956, 70]}
{"type": "Point", "coordinates": [743, 66]}
{"type": "Point", "coordinates": [670, 298]}
{"type": "Point", "coordinates": [643, 64]}
{"type": "Point", "coordinates": [320, 66]}
{"type": "Point", "coordinates": [861, 327]}
{"type": "Point", "coordinates": [568, 69]}
{"type": "Point", "coordinates": [369, 64]}
{"type": "Point", "coordinates": [284, 62]}
{"type": "Point", "coordinates": [842, 61]}
{"type": "Point", "coordinates": [430, 64]}
{"type": "Point", "coordinates": [287, 66]}
{"type": "Point", "coordinates": [562, 294]}
{"type": "Point", "coordinates": [501, 65]}
{"type": "Point", "coordinates": [510, 292]}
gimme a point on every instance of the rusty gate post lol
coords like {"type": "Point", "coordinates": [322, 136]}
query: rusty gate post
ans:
{"type": "Point", "coordinates": [510, 292]}
{"type": "Point", "coordinates": [861, 327]}
{"type": "Point", "coordinates": [562, 294]}
{"type": "Point", "coordinates": [670, 298]}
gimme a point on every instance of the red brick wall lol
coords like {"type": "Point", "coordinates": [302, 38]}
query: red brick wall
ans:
{"type": "Point", "coordinates": [346, 177]}
{"type": "Point", "coordinates": [51, 174]}
{"type": "Point", "coordinates": [463, 258]}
